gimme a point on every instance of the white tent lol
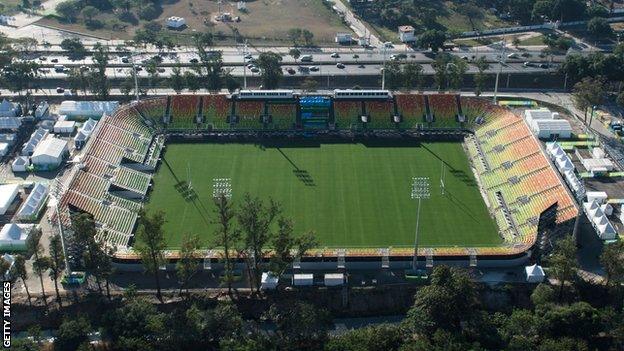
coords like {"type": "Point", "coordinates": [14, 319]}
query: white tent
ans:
{"type": "Point", "coordinates": [334, 279]}
{"type": "Point", "coordinates": [551, 128]}
{"type": "Point", "coordinates": [10, 123]}
{"type": "Point", "coordinates": [598, 196]}
{"type": "Point", "coordinates": [35, 138]}
{"type": "Point", "coordinates": [20, 164]}
{"type": "Point", "coordinates": [81, 138]}
{"type": "Point", "coordinates": [269, 281]}
{"type": "Point", "coordinates": [13, 236]}
{"type": "Point", "coordinates": [8, 192]}
{"type": "Point", "coordinates": [564, 164]}
{"type": "Point", "coordinates": [42, 110]}
{"type": "Point", "coordinates": [34, 203]}
{"type": "Point", "coordinates": [175, 22]}
{"type": "Point", "coordinates": [534, 274]}
{"type": "Point", "coordinates": [87, 109]}
{"type": "Point", "coordinates": [539, 114]}
{"type": "Point", "coordinates": [7, 109]}
{"type": "Point", "coordinates": [9, 138]}
{"type": "Point", "coordinates": [49, 153]}
{"type": "Point", "coordinates": [303, 279]}
{"type": "Point", "coordinates": [64, 127]}
{"type": "Point", "coordinates": [4, 149]}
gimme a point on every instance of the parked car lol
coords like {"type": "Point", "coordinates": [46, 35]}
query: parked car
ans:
{"type": "Point", "coordinates": [60, 90]}
{"type": "Point", "coordinates": [306, 58]}
{"type": "Point", "coordinates": [335, 55]}
{"type": "Point", "coordinates": [255, 69]}
{"type": "Point", "coordinates": [314, 68]}
{"type": "Point", "coordinates": [340, 65]}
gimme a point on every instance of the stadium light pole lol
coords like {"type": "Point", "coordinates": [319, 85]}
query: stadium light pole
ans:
{"type": "Point", "coordinates": [245, 65]}
{"type": "Point", "coordinates": [56, 196]}
{"type": "Point", "coordinates": [420, 191]}
{"type": "Point", "coordinates": [383, 67]}
{"type": "Point", "coordinates": [500, 69]}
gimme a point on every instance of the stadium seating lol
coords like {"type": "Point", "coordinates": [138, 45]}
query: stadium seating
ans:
{"type": "Point", "coordinates": [184, 111]}
{"type": "Point", "coordinates": [346, 113]}
{"type": "Point", "coordinates": [380, 114]}
{"type": "Point", "coordinates": [216, 109]}
{"type": "Point", "coordinates": [517, 171]}
{"type": "Point", "coordinates": [152, 109]}
{"type": "Point", "coordinates": [248, 113]}
{"type": "Point", "coordinates": [412, 109]}
{"type": "Point", "coordinates": [443, 107]}
{"type": "Point", "coordinates": [283, 115]}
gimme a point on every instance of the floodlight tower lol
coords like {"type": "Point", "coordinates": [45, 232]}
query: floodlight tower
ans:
{"type": "Point", "coordinates": [383, 67]}
{"type": "Point", "coordinates": [420, 191]}
{"type": "Point", "coordinates": [501, 62]}
{"type": "Point", "coordinates": [56, 194]}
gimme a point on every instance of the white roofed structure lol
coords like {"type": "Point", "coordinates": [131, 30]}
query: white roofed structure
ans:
{"type": "Point", "coordinates": [7, 109]}
{"type": "Point", "coordinates": [8, 192]}
{"type": "Point", "coordinates": [13, 236]}
{"type": "Point", "coordinates": [551, 128]}
{"type": "Point", "coordinates": [175, 22]}
{"type": "Point", "coordinates": [600, 222]}
{"type": "Point", "coordinates": [87, 109]}
{"type": "Point", "coordinates": [35, 138]}
{"type": "Point", "coordinates": [534, 273]}
{"type": "Point", "coordinates": [4, 149]}
{"type": "Point", "coordinates": [49, 153]}
{"type": "Point", "coordinates": [20, 164]}
{"type": "Point", "coordinates": [10, 123]}
{"type": "Point", "coordinates": [31, 208]}
{"type": "Point", "coordinates": [269, 281]}
{"type": "Point", "coordinates": [532, 115]}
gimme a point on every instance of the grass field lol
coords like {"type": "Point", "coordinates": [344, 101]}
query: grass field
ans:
{"type": "Point", "coordinates": [351, 194]}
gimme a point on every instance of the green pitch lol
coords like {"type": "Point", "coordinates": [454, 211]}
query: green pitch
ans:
{"type": "Point", "coordinates": [351, 195]}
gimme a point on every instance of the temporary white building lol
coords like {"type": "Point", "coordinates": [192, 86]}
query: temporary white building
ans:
{"type": "Point", "coordinates": [175, 22]}
{"type": "Point", "coordinates": [8, 192]}
{"type": "Point", "coordinates": [9, 138]}
{"type": "Point", "coordinates": [13, 236]}
{"type": "Point", "coordinates": [20, 164]}
{"type": "Point", "coordinates": [10, 259]}
{"type": "Point", "coordinates": [595, 165]}
{"type": "Point", "coordinates": [49, 153]}
{"type": "Point", "coordinates": [43, 110]}
{"type": "Point", "coordinates": [35, 138]}
{"type": "Point", "coordinates": [87, 109]}
{"type": "Point", "coordinates": [555, 150]}
{"type": "Point", "coordinates": [64, 127]}
{"type": "Point", "coordinates": [573, 181]}
{"type": "Point", "coordinates": [303, 279]}
{"type": "Point", "coordinates": [10, 123]}
{"type": "Point", "coordinates": [269, 281]}
{"type": "Point", "coordinates": [598, 153]}
{"type": "Point", "coordinates": [334, 279]}
{"type": "Point", "coordinates": [4, 149]}
{"type": "Point", "coordinates": [31, 208]}
{"type": "Point", "coordinates": [551, 128]}
{"type": "Point", "coordinates": [600, 222]}
{"type": "Point", "coordinates": [564, 164]}
{"type": "Point", "coordinates": [84, 132]}
{"type": "Point", "coordinates": [534, 273]}
{"type": "Point", "coordinates": [7, 109]}
{"type": "Point", "coordinates": [532, 115]}
{"type": "Point", "coordinates": [597, 196]}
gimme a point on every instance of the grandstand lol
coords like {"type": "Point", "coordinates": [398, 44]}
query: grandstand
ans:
{"type": "Point", "coordinates": [517, 181]}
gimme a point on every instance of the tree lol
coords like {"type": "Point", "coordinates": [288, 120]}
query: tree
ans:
{"type": "Point", "coordinates": [18, 76]}
{"type": "Point", "coordinates": [78, 79]}
{"type": "Point", "coordinates": [68, 9]}
{"type": "Point", "coordinates": [588, 92]}
{"type": "Point", "coordinates": [192, 81]}
{"type": "Point", "coordinates": [307, 37]}
{"type": "Point", "coordinates": [151, 67]}
{"type": "Point", "coordinates": [393, 75]}
{"type": "Point", "coordinates": [563, 263]}
{"type": "Point", "coordinates": [269, 63]}
{"type": "Point", "coordinates": [448, 302]}
{"type": "Point", "coordinates": [599, 28]}
{"type": "Point", "coordinates": [255, 219]}
{"type": "Point", "coordinates": [74, 47]}
{"type": "Point", "coordinates": [432, 39]}
{"type": "Point", "coordinates": [100, 84]}
{"type": "Point", "coordinates": [40, 263]}
{"type": "Point", "coordinates": [88, 12]}
{"type": "Point", "coordinates": [294, 34]}
{"type": "Point", "coordinates": [456, 69]}
{"type": "Point", "coordinates": [612, 260]}
{"type": "Point", "coordinates": [479, 78]}
{"type": "Point", "coordinates": [188, 263]}
{"type": "Point", "coordinates": [300, 325]}
{"type": "Point", "coordinates": [83, 227]}
{"type": "Point", "coordinates": [413, 75]}
{"type": "Point", "coordinates": [57, 263]}
{"type": "Point", "coordinates": [515, 42]}
{"type": "Point", "coordinates": [136, 325]}
{"type": "Point", "coordinates": [440, 67]}
{"type": "Point", "coordinates": [286, 246]}
{"type": "Point", "coordinates": [226, 236]}
{"type": "Point", "coordinates": [176, 80]}
{"type": "Point", "coordinates": [294, 53]}
{"type": "Point", "coordinates": [19, 271]}
{"type": "Point", "coordinates": [309, 84]}
{"type": "Point", "coordinates": [72, 333]}
{"type": "Point", "coordinates": [151, 244]}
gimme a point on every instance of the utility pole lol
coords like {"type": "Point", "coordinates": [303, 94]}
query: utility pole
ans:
{"type": "Point", "coordinates": [383, 67]}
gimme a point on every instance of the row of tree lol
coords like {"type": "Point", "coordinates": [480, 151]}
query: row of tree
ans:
{"type": "Point", "coordinates": [247, 232]}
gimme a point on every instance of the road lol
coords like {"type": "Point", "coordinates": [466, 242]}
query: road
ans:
{"type": "Point", "coordinates": [356, 24]}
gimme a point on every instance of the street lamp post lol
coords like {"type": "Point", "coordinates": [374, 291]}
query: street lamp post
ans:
{"type": "Point", "coordinates": [420, 191]}
{"type": "Point", "coordinates": [383, 67]}
{"type": "Point", "coordinates": [500, 69]}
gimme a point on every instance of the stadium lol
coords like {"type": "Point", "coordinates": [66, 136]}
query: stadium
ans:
{"type": "Point", "coordinates": [342, 164]}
